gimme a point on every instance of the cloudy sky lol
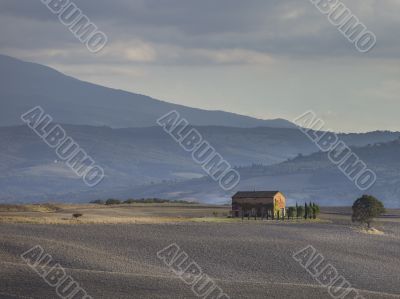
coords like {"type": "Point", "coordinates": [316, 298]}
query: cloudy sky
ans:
{"type": "Point", "coordinates": [263, 58]}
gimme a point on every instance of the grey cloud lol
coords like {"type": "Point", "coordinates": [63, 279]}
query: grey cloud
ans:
{"type": "Point", "coordinates": [284, 28]}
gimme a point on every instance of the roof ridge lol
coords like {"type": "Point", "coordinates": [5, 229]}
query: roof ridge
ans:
{"type": "Point", "coordinates": [255, 193]}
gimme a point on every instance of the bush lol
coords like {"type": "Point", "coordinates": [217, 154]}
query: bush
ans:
{"type": "Point", "coordinates": [300, 212]}
{"type": "Point", "coordinates": [77, 215]}
{"type": "Point", "coordinates": [98, 202]}
{"type": "Point", "coordinates": [305, 211]}
{"type": "Point", "coordinates": [366, 208]}
{"type": "Point", "coordinates": [315, 210]}
{"type": "Point", "coordinates": [130, 201]}
{"type": "Point", "coordinates": [113, 202]}
{"type": "Point", "coordinates": [291, 212]}
{"type": "Point", "coordinates": [157, 200]}
{"type": "Point", "coordinates": [310, 211]}
{"type": "Point", "coordinates": [215, 214]}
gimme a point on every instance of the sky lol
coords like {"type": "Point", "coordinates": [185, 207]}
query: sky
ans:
{"type": "Point", "coordinates": [262, 58]}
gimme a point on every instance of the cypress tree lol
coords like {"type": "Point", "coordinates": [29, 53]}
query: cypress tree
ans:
{"type": "Point", "coordinates": [314, 211]}
{"type": "Point", "coordinates": [305, 211]}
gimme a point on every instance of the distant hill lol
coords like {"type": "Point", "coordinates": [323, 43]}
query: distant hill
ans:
{"type": "Point", "coordinates": [307, 178]}
{"type": "Point", "coordinates": [118, 129]}
{"type": "Point", "coordinates": [24, 85]}
{"type": "Point", "coordinates": [138, 160]}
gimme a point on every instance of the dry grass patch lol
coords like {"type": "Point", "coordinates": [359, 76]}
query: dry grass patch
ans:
{"type": "Point", "coordinates": [371, 231]}
{"type": "Point", "coordinates": [89, 220]}
{"type": "Point", "coordinates": [44, 208]}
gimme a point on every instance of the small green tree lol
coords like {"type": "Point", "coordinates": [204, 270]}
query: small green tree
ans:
{"type": "Point", "coordinates": [310, 211]}
{"type": "Point", "coordinates": [130, 201]}
{"type": "Point", "coordinates": [291, 212]}
{"type": "Point", "coordinates": [112, 201]}
{"type": "Point", "coordinates": [300, 211]}
{"type": "Point", "coordinates": [77, 215]}
{"type": "Point", "coordinates": [98, 202]}
{"type": "Point", "coordinates": [316, 210]}
{"type": "Point", "coordinates": [305, 211]}
{"type": "Point", "coordinates": [366, 208]}
{"type": "Point", "coordinates": [314, 215]}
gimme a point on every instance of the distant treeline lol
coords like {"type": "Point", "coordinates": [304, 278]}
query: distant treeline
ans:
{"type": "Point", "coordinates": [113, 201]}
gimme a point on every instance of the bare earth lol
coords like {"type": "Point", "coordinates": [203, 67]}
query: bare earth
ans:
{"type": "Point", "coordinates": [252, 259]}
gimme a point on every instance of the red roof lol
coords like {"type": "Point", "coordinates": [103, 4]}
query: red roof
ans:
{"type": "Point", "coordinates": [255, 194]}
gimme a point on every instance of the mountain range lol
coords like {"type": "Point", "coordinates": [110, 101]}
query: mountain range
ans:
{"type": "Point", "coordinates": [302, 179]}
{"type": "Point", "coordinates": [118, 129]}
{"type": "Point", "coordinates": [24, 85]}
{"type": "Point", "coordinates": [143, 158]}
